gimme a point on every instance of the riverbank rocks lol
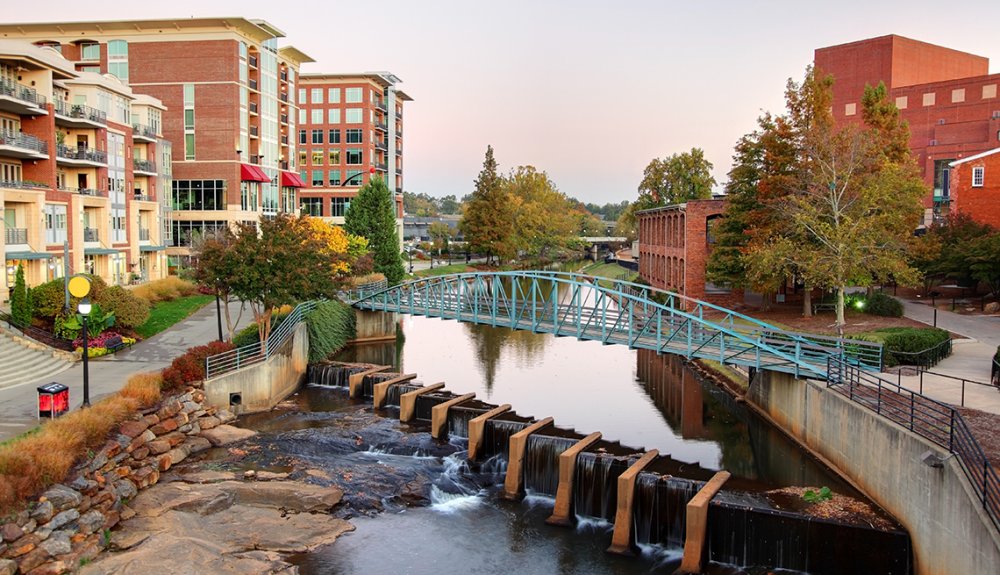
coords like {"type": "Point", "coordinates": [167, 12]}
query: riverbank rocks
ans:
{"type": "Point", "coordinates": [69, 524]}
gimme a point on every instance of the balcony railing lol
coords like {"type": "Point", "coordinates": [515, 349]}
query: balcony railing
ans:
{"type": "Point", "coordinates": [254, 130]}
{"type": "Point", "coordinates": [91, 235]}
{"type": "Point", "coordinates": [253, 61]}
{"type": "Point", "coordinates": [82, 191]}
{"type": "Point", "coordinates": [283, 76]}
{"type": "Point", "coordinates": [399, 170]}
{"type": "Point", "coordinates": [23, 141]}
{"type": "Point", "coordinates": [381, 125]}
{"type": "Point", "coordinates": [80, 111]}
{"type": "Point", "coordinates": [143, 165]}
{"type": "Point", "coordinates": [256, 159]}
{"type": "Point", "coordinates": [143, 234]}
{"type": "Point", "coordinates": [283, 164]}
{"type": "Point", "coordinates": [380, 145]}
{"type": "Point", "coordinates": [21, 92]}
{"type": "Point", "coordinates": [283, 97]}
{"type": "Point", "coordinates": [253, 107]}
{"type": "Point", "coordinates": [284, 118]}
{"type": "Point", "coordinates": [142, 197]}
{"type": "Point", "coordinates": [143, 131]}
{"type": "Point", "coordinates": [16, 235]}
{"type": "Point", "coordinates": [82, 153]}
{"type": "Point", "coordinates": [23, 185]}
{"type": "Point", "coordinates": [284, 140]}
{"type": "Point", "coordinates": [381, 166]}
{"type": "Point", "coordinates": [380, 104]}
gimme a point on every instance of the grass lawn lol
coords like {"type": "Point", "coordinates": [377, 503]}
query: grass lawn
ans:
{"type": "Point", "coordinates": [443, 270]}
{"type": "Point", "coordinates": [167, 313]}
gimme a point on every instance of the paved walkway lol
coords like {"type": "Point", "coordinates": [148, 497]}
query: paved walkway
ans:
{"type": "Point", "coordinates": [971, 358]}
{"type": "Point", "coordinates": [18, 403]}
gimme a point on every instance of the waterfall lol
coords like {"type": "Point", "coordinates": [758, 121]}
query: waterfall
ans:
{"type": "Point", "coordinates": [458, 420]}
{"type": "Point", "coordinates": [595, 489]}
{"type": "Point", "coordinates": [368, 382]}
{"type": "Point", "coordinates": [331, 374]}
{"type": "Point", "coordinates": [541, 463]}
{"type": "Point", "coordinates": [660, 510]}
{"type": "Point", "coordinates": [395, 391]}
{"type": "Point", "coordinates": [496, 439]}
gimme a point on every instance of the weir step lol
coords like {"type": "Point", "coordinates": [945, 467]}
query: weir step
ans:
{"type": "Point", "coordinates": [562, 513]}
{"type": "Point", "coordinates": [408, 401]}
{"type": "Point", "coordinates": [513, 484]}
{"type": "Point", "coordinates": [439, 414]}
{"type": "Point", "coordinates": [381, 389]}
{"type": "Point", "coordinates": [477, 426]}
{"type": "Point", "coordinates": [621, 541]}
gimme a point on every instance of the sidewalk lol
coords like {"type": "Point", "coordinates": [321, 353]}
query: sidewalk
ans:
{"type": "Point", "coordinates": [971, 359]}
{"type": "Point", "coordinates": [18, 403]}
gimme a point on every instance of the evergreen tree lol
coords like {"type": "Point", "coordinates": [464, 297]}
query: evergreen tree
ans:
{"type": "Point", "coordinates": [487, 222]}
{"type": "Point", "coordinates": [20, 301]}
{"type": "Point", "coordinates": [373, 215]}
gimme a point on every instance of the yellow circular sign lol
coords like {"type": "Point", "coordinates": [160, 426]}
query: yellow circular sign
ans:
{"type": "Point", "coordinates": [79, 286]}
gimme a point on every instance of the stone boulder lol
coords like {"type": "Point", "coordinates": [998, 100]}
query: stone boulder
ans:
{"type": "Point", "coordinates": [226, 434]}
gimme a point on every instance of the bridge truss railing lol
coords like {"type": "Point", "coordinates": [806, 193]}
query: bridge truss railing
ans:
{"type": "Point", "coordinates": [588, 310]}
{"type": "Point", "coordinates": [933, 420]}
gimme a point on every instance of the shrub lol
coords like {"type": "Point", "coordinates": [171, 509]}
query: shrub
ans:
{"type": "Point", "coordinates": [48, 298]}
{"type": "Point", "coordinates": [129, 310]}
{"type": "Point", "coordinates": [901, 343]}
{"type": "Point", "coordinates": [143, 388]}
{"type": "Point", "coordinates": [883, 305]}
{"type": "Point", "coordinates": [166, 289]}
{"type": "Point", "coordinates": [330, 325]}
{"type": "Point", "coordinates": [249, 334]}
{"type": "Point", "coordinates": [190, 367]}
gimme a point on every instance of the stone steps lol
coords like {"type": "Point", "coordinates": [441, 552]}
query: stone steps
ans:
{"type": "Point", "coordinates": [20, 363]}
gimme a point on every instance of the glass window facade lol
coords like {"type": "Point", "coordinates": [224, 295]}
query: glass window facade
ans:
{"type": "Point", "coordinates": [191, 195]}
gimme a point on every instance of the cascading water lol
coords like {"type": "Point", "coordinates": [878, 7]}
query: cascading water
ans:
{"type": "Point", "coordinates": [331, 374]}
{"type": "Point", "coordinates": [458, 421]}
{"type": "Point", "coordinates": [496, 438]}
{"type": "Point", "coordinates": [395, 391]}
{"type": "Point", "coordinates": [660, 509]}
{"type": "Point", "coordinates": [541, 463]}
{"type": "Point", "coordinates": [595, 493]}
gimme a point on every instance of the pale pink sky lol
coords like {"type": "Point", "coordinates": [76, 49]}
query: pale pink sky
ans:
{"type": "Point", "coordinates": [588, 91]}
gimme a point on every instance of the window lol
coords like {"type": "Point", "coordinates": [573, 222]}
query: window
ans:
{"type": "Point", "coordinates": [302, 115]}
{"type": "Point", "coordinates": [90, 51]}
{"type": "Point", "coordinates": [333, 116]}
{"type": "Point", "coordinates": [353, 156]}
{"type": "Point", "coordinates": [352, 95]}
{"type": "Point", "coordinates": [334, 157]}
{"type": "Point", "coordinates": [334, 177]}
{"type": "Point", "coordinates": [55, 224]}
{"type": "Point", "coordinates": [184, 231]}
{"type": "Point", "coordinates": [190, 195]}
{"type": "Point", "coordinates": [243, 50]}
{"type": "Point", "coordinates": [189, 140]}
{"type": "Point", "coordinates": [316, 96]}
{"type": "Point", "coordinates": [942, 175]}
{"type": "Point", "coordinates": [334, 136]}
{"type": "Point", "coordinates": [317, 157]}
{"type": "Point", "coordinates": [353, 178]}
{"type": "Point", "coordinates": [118, 59]}
{"type": "Point", "coordinates": [317, 136]}
{"type": "Point", "coordinates": [302, 95]}
{"type": "Point", "coordinates": [352, 116]}
{"type": "Point", "coordinates": [249, 192]}
{"type": "Point", "coordinates": [311, 206]}
{"type": "Point", "coordinates": [317, 178]}
{"type": "Point", "coordinates": [302, 160]}
{"type": "Point", "coordinates": [304, 137]}
{"type": "Point", "coordinates": [333, 95]}
{"type": "Point", "coordinates": [10, 172]}
{"type": "Point", "coordinates": [354, 136]}
{"type": "Point", "coordinates": [317, 116]}
{"type": "Point", "coordinates": [189, 147]}
{"type": "Point", "coordinates": [339, 206]}
{"type": "Point", "coordinates": [978, 175]}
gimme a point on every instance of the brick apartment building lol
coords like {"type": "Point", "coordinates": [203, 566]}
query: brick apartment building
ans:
{"type": "Point", "coordinates": [975, 187]}
{"type": "Point", "coordinates": [948, 97]}
{"type": "Point", "coordinates": [84, 171]}
{"type": "Point", "coordinates": [674, 244]}
{"type": "Point", "coordinates": [350, 128]}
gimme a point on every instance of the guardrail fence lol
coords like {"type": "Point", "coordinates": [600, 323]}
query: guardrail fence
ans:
{"type": "Point", "coordinates": [250, 354]}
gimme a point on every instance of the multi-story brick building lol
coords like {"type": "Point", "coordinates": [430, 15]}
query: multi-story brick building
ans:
{"type": "Point", "coordinates": [80, 186]}
{"type": "Point", "coordinates": [674, 244]}
{"type": "Point", "coordinates": [229, 91]}
{"type": "Point", "coordinates": [975, 187]}
{"type": "Point", "coordinates": [350, 128]}
{"type": "Point", "coordinates": [949, 99]}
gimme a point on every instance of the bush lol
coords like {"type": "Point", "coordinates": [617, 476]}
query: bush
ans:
{"type": "Point", "coordinates": [249, 334]}
{"type": "Point", "coordinates": [190, 367]}
{"type": "Point", "coordinates": [166, 289]}
{"type": "Point", "coordinates": [48, 298]}
{"type": "Point", "coordinates": [330, 325]}
{"type": "Point", "coordinates": [883, 305]}
{"type": "Point", "coordinates": [143, 388]}
{"type": "Point", "coordinates": [130, 310]}
{"type": "Point", "coordinates": [911, 345]}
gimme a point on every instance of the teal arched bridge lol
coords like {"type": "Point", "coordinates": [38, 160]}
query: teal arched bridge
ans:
{"type": "Point", "coordinates": [616, 312]}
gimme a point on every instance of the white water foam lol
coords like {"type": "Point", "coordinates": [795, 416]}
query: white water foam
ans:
{"type": "Point", "coordinates": [593, 524]}
{"type": "Point", "coordinates": [381, 452]}
{"type": "Point", "coordinates": [451, 503]}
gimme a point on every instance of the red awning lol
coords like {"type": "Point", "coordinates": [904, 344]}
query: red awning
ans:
{"type": "Point", "coordinates": [249, 173]}
{"type": "Point", "coordinates": [291, 180]}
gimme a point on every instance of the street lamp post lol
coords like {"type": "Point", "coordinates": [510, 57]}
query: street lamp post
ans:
{"type": "Point", "coordinates": [84, 309]}
{"type": "Point", "coordinates": [218, 309]}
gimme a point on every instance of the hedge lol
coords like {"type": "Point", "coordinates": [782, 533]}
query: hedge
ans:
{"type": "Point", "coordinates": [901, 343]}
{"type": "Point", "coordinates": [330, 325]}
{"type": "Point", "coordinates": [130, 310]}
{"type": "Point", "coordinates": [190, 367]}
{"type": "Point", "coordinates": [883, 305]}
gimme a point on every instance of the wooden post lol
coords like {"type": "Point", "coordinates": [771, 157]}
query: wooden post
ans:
{"type": "Point", "coordinates": [567, 470]}
{"type": "Point", "coordinates": [477, 426]}
{"type": "Point", "coordinates": [408, 401]}
{"type": "Point", "coordinates": [381, 389]}
{"type": "Point", "coordinates": [354, 380]}
{"type": "Point", "coordinates": [439, 414]}
{"type": "Point", "coordinates": [697, 524]}
{"type": "Point", "coordinates": [621, 541]}
{"type": "Point", "coordinates": [512, 485]}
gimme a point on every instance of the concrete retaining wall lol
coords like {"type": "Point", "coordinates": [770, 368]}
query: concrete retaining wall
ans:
{"type": "Point", "coordinates": [261, 386]}
{"type": "Point", "coordinates": [375, 325]}
{"type": "Point", "coordinates": [950, 532]}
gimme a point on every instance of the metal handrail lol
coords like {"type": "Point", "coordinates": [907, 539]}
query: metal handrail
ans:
{"type": "Point", "coordinates": [40, 335]}
{"type": "Point", "coordinates": [364, 290]}
{"type": "Point", "coordinates": [23, 141]}
{"type": "Point", "coordinates": [928, 418]}
{"type": "Point", "coordinates": [935, 353]}
{"type": "Point", "coordinates": [257, 352]}
{"type": "Point", "coordinates": [21, 92]}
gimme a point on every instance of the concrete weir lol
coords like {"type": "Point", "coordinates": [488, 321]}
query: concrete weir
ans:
{"type": "Point", "coordinates": [355, 379]}
{"type": "Point", "coordinates": [621, 541]}
{"type": "Point", "coordinates": [513, 484]}
{"type": "Point", "coordinates": [380, 389]}
{"type": "Point", "coordinates": [439, 414]}
{"type": "Point", "coordinates": [476, 427]}
{"type": "Point", "coordinates": [408, 401]}
{"type": "Point", "coordinates": [567, 471]}
{"type": "Point", "coordinates": [695, 543]}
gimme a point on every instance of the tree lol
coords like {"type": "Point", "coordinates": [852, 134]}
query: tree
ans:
{"type": "Point", "coordinates": [984, 262]}
{"type": "Point", "coordinates": [20, 301]}
{"type": "Point", "coordinates": [216, 264]}
{"type": "Point", "coordinates": [543, 217]}
{"type": "Point", "coordinates": [486, 220]}
{"type": "Point", "coordinates": [373, 216]}
{"type": "Point", "coordinates": [677, 179]}
{"type": "Point", "coordinates": [440, 232]}
{"type": "Point", "coordinates": [450, 205]}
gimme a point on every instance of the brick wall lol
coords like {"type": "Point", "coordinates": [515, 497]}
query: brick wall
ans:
{"type": "Point", "coordinates": [981, 203]}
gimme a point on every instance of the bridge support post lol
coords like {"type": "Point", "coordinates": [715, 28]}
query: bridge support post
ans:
{"type": "Point", "coordinates": [408, 401]}
{"type": "Point", "coordinates": [513, 482]}
{"type": "Point", "coordinates": [697, 525]}
{"type": "Point", "coordinates": [621, 541]}
{"type": "Point", "coordinates": [562, 513]}
{"type": "Point", "coordinates": [477, 426]}
{"type": "Point", "coordinates": [439, 414]}
{"type": "Point", "coordinates": [381, 389]}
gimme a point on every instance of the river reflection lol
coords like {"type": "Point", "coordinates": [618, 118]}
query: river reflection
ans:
{"type": "Point", "coordinates": [639, 398]}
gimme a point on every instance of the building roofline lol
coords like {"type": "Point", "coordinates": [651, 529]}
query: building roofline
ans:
{"type": "Point", "coordinates": [293, 53]}
{"type": "Point", "coordinates": [401, 95]}
{"type": "Point", "coordinates": [41, 56]}
{"type": "Point", "coordinates": [385, 79]}
{"type": "Point", "coordinates": [260, 29]}
{"type": "Point", "coordinates": [892, 37]}
{"type": "Point", "coordinates": [976, 157]}
{"type": "Point", "coordinates": [683, 205]}
{"type": "Point", "coordinates": [147, 100]}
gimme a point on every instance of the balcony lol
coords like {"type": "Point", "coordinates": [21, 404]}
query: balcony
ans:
{"type": "Point", "coordinates": [253, 108]}
{"type": "Point", "coordinates": [141, 132]}
{"type": "Point", "coordinates": [399, 171]}
{"type": "Point", "coordinates": [83, 191]}
{"type": "Point", "coordinates": [143, 234]}
{"type": "Point", "coordinates": [380, 104]}
{"type": "Point", "coordinates": [143, 167]}
{"type": "Point", "coordinates": [141, 196]}
{"type": "Point", "coordinates": [78, 115]}
{"type": "Point", "coordinates": [283, 164]}
{"type": "Point", "coordinates": [381, 125]}
{"type": "Point", "coordinates": [381, 166]}
{"type": "Point", "coordinates": [16, 236]}
{"type": "Point", "coordinates": [399, 190]}
{"type": "Point", "coordinates": [252, 61]}
{"type": "Point", "coordinates": [20, 99]}
{"type": "Point", "coordinates": [254, 131]}
{"type": "Point", "coordinates": [399, 132]}
{"type": "Point", "coordinates": [257, 160]}
{"type": "Point", "coordinates": [283, 76]}
{"type": "Point", "coordinates": [283, 97]}
{"type": "Point", "coordinates": [381, 145]}
{"type": "Point", "coordinates": [21, 145]}
{"type": "Point", "coordinates": [91, 235]}
{"type": "Point", "coordinates": [284, 118]}
{"type": "Point", "coordinates": [284, 140]}
{"type": "Point", "coordinates": [23, 185]}
{"type": "Point", "coordinates": [81, 156]}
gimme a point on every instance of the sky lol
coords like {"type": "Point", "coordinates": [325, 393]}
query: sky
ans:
{"type": "Point", "coordinates": [587, 91]}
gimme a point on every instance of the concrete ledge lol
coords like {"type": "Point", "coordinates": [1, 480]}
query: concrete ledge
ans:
{"type": "Point", "coordinates": [621, 541]}
{"type": "Point", "coordinates": [697, 525]}
{"type": "Point", "coordinates": [408, 401]}
{"type": "Point", "coordinates": [513, 482]}
{"type": "Point", "coordinates": [439, 414]}
{"type": "Point", "coordinates": [477, 426]}
{"type": "Point", "coordinates": [381, 389]}
{"type": "Point", "coordinates": [354, 380]}
{"type": "Point", "coordinates": [561, 514]}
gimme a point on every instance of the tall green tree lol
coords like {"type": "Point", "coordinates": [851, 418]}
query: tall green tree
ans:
{"type": "Point", "coordinates": [440, 233]}
{"type": "Point", "coordinates": [20, 301]}
{"type": "Point", "coordinates": [373, 216]}
{"type": "Point", "coordinates": [487, 222]}
{"type": "Point", "coordinates": [216, 264]}
{"type": "Point", "coordinates": [543, 217]}
{"type": "Point", "coordinates": [984, 262]}
{"type": "Point", "coordinates": [676, 179]}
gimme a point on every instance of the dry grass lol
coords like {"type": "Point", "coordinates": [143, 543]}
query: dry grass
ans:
{"type": "Point", "coordinates": [166, 289]}
{"type": "Point", "coordinates": [31, 463]}
{"type": "Point", "coordinates": [366, 279]}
